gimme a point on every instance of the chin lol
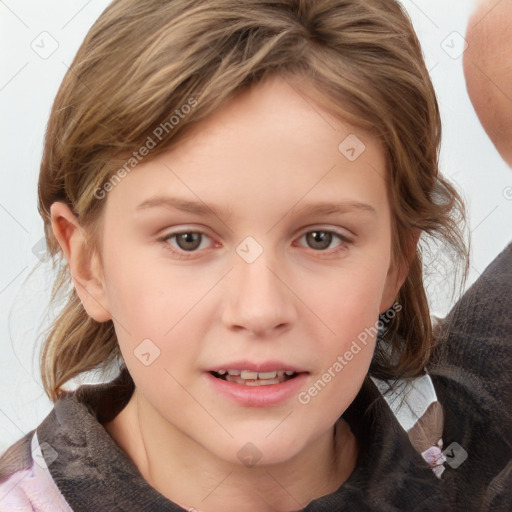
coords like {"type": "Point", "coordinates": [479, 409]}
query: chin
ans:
{"type": "Point", "coordinates": [251, 451]}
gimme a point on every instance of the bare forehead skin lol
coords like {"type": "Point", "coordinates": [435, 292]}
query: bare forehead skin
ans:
{"type": "Point", "coordinates": [488, 70]}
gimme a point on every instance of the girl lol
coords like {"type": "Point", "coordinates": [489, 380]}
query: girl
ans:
{"type": "Point", "coordinates": [239, 194]}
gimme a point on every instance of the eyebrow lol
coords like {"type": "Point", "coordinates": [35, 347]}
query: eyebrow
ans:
{"type": "Point", "coordinates": [200, 208]}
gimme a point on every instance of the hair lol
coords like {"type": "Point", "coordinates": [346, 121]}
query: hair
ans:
{"type": "Point", "coordinates": [143, 62]}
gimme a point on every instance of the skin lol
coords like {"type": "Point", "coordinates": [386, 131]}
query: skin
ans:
{"type": "Point", "coordinates": [264, 156]}
{"type": "Point", "coordinates": [488, 71]}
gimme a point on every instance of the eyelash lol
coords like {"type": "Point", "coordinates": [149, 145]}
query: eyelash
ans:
{"type": "Point", "coordinates": [189, 254]}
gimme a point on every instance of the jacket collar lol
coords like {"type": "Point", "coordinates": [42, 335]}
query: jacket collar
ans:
{"type": "Point", "coordinates": [93, 473]}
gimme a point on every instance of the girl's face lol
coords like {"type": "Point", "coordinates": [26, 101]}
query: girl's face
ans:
{"type": "Point", "coordinates": [260, 243]}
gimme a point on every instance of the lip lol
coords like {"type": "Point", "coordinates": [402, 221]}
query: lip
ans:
{"type": "Point", "coordinates": [258, 396]}
{"type": "Point", "coordinates": [264, 366]}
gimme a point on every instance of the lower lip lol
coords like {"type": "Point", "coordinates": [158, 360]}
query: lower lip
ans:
{"type": "Point", "coordinates": [258, 396]}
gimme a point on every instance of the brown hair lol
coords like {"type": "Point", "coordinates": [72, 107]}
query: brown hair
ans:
{"type": "Point", "coordinates": [142, 62]}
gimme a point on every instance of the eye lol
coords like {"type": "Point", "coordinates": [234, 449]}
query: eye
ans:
{"type": "Point", "coordinates": [321, 239]}
{"type": "Point", "coordinates": [191, 241]}
{"type": "Point", "coordinates": [186, 241]}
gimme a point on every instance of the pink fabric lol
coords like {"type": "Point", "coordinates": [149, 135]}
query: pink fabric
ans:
{"type": "Point", "coordinates": [435, 458]}
{"type": "Point", "coordinates": [32, 489]}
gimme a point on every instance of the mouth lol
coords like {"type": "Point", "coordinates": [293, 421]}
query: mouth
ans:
{"type": "Point", "coordinates": [252, 378]}
{"type": "Point", "coordinates": [257, 384]}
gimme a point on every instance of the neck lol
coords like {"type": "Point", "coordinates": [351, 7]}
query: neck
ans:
{"type": "Point", "coordinates": [186, 473]}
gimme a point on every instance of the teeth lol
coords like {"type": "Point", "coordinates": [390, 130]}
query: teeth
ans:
{"type": "Point", "coordinates": [255, 378]}
{"type": "Point", "coordinates": [246, 374]}
{"type": "Point", "coordinates": [266, 375]}
{"type": "Point", "coordinates": [253, 382]}
{"type": "Point", "coordinates": [264, 382]}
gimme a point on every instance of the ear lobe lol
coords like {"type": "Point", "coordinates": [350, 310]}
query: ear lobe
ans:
{"type": "Point", "coordinates": [84, 264]}
{"type": "Point", "coordinates": [397, 274]}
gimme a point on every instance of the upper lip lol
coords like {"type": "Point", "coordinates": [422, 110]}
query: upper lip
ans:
{"type": "Point", "coordinates": [261, 367]}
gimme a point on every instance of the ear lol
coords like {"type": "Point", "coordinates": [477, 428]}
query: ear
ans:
{"type": "Point", "coordinates": [84, 264]}
{"type": "Point", "coordinates": [397, 273]}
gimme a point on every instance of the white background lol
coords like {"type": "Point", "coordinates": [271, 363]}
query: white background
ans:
{"type": "Point", "coordinates": [28, 84]}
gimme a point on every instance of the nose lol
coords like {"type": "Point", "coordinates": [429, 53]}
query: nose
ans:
{"type": "Point", "coordinates": [259, 299]}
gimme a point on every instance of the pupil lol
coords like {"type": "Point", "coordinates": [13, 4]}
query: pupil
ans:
{"type": "Point", "coordinates": [322, 238]}
{"type": "Point", "coordinates": [188, 238]}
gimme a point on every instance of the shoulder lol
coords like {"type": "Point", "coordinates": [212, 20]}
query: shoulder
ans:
{"type": "Point", "coordinates": [475, 340]}
{"type": "Point", "coordinates": [484, 310]}
{"type": "Point", "coordinates": [25, 482]}
{"type": "Point", "coordinates": [472, 373]}
{"type": "Point", "coordinates": [17, 457]}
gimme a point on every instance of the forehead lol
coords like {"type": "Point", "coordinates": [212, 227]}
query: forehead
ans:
{"type": "Point", "coordinates": [289, 108]}
{"type": "Point", "coordinates": [272, 142]}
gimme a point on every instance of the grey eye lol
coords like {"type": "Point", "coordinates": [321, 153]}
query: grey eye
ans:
{"type": "Point", "coordinates": [188, 241]}
{"type": "Point", "coordinates": [319, 239]}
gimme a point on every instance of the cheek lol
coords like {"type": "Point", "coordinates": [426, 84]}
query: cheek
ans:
{"type": "Point", "coordinates": [155, 309]}
{"type": "Point", "coordinates": [148, 295]}
{"type": "Point", "coordinates": [350, 299]}
{"type": "Point", "coordinates": [346, 361]}
{"type": "Point", "coordinates": [350, 310]}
